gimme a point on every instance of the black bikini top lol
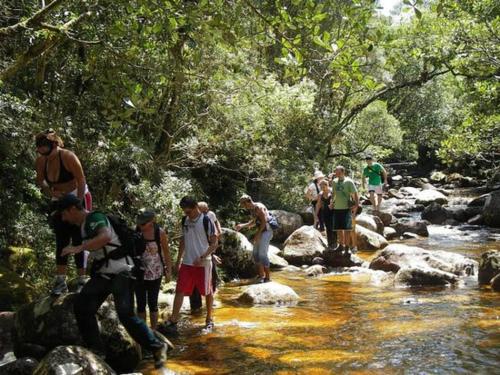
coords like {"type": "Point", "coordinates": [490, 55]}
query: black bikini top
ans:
{"type": "Point", "coordinates": [64, 174]}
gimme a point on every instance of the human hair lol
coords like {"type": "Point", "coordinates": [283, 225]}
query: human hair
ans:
{"type": "Point", "coordinates": [340, 168]}
{"type": "Point", "coordinates": [49, 135]}
{"type": "Point", "coordinates": [188, 202]}
{"type": "Point", "coordinates": [323, 182]}
{"type": "Point", "coordinates": [246, 198]}
{"type": "Point", "coordinates": [203, 205]}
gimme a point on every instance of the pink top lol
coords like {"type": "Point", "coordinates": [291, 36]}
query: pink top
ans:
{"type": "Point", "coordinates": [152, 262]}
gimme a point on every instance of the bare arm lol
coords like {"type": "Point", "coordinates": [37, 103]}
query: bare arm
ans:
{"type": "Point", "coordinates": [75, 167]}
{"type": "Point", "coordinates": [250, 224]}
{"type": "Point", "coordinates": [318, 204]}
{"type": "Point", "coordinates": [96, 243]}
{"type": "Point", "coordinates": [384, 173]}
{"type": "Point", "coordinates": [40, 177]}
{"type": "Point", "coordinates": [180, 254]}
{"type": "Point", "coordinates": [263, 221]}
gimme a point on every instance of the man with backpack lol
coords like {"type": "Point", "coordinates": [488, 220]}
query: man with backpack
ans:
{"type": "Point", "coordinates": [265, 223]}
{"type": "Point", "coordinates": [375, 172]}
{"type": "Point", "coordinates": [312, 191]}
{"type": "Point", "coordinates": [111, 250]}
{"type": "Point", "coordinates": [194, 262]}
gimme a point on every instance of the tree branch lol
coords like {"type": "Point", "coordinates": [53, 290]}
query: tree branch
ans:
{"type": "Point", "coordinates": [34, 20]}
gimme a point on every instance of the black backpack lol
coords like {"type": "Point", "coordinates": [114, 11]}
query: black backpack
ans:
{"type": "Point", "coordinates": [132, 245]}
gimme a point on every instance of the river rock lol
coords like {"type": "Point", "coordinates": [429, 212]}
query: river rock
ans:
{"type": "Point", "coordinates": [275, 259]}
{"type": "Point", "coordinates": [495, 283]}
{"type": "Point", "coordinates": [390, 233]}
{"type": "Point", "coordinates": [369, 240]}
{"type": "Point", "coordinates": [491, 211]}
{"type": "Point", "coordinates": [409, 236]}
{"type": "Point", "coordinates": [489, 266]}
{"type": "Point", "coordinates": [479, 201]}
{"type": "Point", "coordinates": [393, 193]}
{"type": "Point", "coordinates": [14, 290]}
{"type": "Point", "coordinates": [344, 259]}
{"type": "Point", "coordinates": [410, 191]}
{"type": "Point", "coordinates": [303, 246]}
{"type": "Point", "coordinates": [307, 215]}
{"type": "Point", "coordinates": [318, 260]}
{"type": "Point", "coordinates": [366, 221]}
{"type": "Point", "coordinates": [428, 196]}
{"type": "Point", "coordinates": [435, 213]}
{"type": "Point", "coordinates": [415, 257]}
{"type": "Point", "coordinates": [412, 226]}
{"type": "Point", "coordinates": [438, 176]}
{"type": "Point", "coordinates": [72, 360]}
{"type": "Point", "coordinates": [288, 223]}
{"type": "Point", "coordinates": [315, 270]}
{"type": "Point", "coordinates": [6, 326]}
{"type": "Point", "coordinates": [235, 250]}
{"type": "Point", "coordinates": [417, 182]}
{"type": "Point", "coordinates": [386, 217]}
{"type": "Point", "coordinates": [22, 366]}
{"type": "Point", "coordinates": [268, 294]}
{"type": "Point", "coordinates": [382, 264]}
{"type": "Point", "coordinates": [50, 322]}
{"type": "Point", "coordinates": [458, 180]}
{"type": "Point", "coordinates": [422, 276]}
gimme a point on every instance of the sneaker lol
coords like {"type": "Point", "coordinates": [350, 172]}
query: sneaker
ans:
{"type": "Point", "coordinates": [60, 286]}
{"type": "Point", "coordinates": [209, 325]}
{"type": "Point", "coordinates": [160, 356]}
{"type": "Point", "coordinates": [339, 249]}
{"type": "Point", "coordinates": [168, 328]}
{"type": "Point", "coordinates": [267, 280]}
{"type": "Point", "coordinates": [261, 280]}
{"type": "Point", "coordinates": [82, 280]}
{"type": "Point", "coordinates": [354, 250]}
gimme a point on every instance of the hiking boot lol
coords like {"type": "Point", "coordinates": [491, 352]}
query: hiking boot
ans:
{"type": "Point", "coordinates": [169, 328]}
{"type": "Point", "coordinates": [160, 356]}
{"type": "Point", "coordinates": [59, 286]}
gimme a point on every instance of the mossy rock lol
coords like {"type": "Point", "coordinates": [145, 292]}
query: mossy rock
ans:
{"type": "Point", "coordinates": [14, 290]}
{"type": "Point", "coordinates": [18, 259]}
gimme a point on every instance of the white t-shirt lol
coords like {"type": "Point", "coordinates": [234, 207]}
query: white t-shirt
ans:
{"type": "Point", "coordinates": [313, 189]}
{"type": "Point", "coordinates": [195, 239]}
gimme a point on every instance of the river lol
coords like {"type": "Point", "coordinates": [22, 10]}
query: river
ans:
{"type": "Point", "coordinates": [354, 323]}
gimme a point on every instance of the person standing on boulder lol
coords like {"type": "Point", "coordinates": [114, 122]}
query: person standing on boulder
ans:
{"type": "Point", "coordinates": [375, 172]}
{"type": "Point", "coordinates": [194, 262]}
{"type": "Point", "coordinates": [111, 274]}
{"type": "Point", "coordinates": [312, 191]}
{"type": "Point", "coordinates": [262, 239]}
{"type": "Point", "coordinates": [157, 263]}
{"type": "Point", "coordinates": [323, 208]}
{"type": "Point", "coordinates": [59, 172]}
{"type": "Point", "coordinates": [345, 204]}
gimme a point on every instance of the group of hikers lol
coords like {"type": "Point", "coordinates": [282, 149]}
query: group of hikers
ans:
{"type": "Point", "coordinates": [118, 268]}
{"type": "Point", "coordinates": [132, 263]}
{"type": "Point", "coordinates": [335, 202]}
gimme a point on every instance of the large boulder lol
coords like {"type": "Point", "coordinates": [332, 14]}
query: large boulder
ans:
{"type": "Point", "coordinates": [14, 290]}
{"type": "Point", "coordinates": [369, 240]}
{"type": "Point", "coordinates": [342, 259]}
{"type": "Point", "coordinates": [268, 294]}
{"type": "Point", "coordinates": [390, 233]}
{"type": "Point", "coordinates": [412, 257]}
{"type": "Point", "coordinates": [438, 176]}
{"type": "Point", "coordinates": [72, 360]}
{"type": "Point", "coordinates": [394, 193]}
{"type": "Point", "coordinates": [274, 257]}
{"type": "Point", "coordinates": [411, 226]}
{"type": "Point", "coordinates": [435, 213]}
{"type": "Point", "coordinates": [489, 266]}
{"type": "Point", "coordinates": [428, 196]}
{"type": "Point", "coordinates": [288, 223]}
{"type": "Point", "coordinates": [50, 322]}
{"type": "Point", "coordinates": [386, 217]}
{"type": "Point", "coordinates": [479, 201]}
{"type": "Point", "coordinates": [410, 191]}
{"type": "Point", "coordinates": [495, 283]}
{"type": "Point", "coordinates": [422, 276]}
{"type": "Point", "coordinates": [367, 221]}
{"type": "Point", "coordinates": [303, 246]}
{"type": "Point", "coordinates": [22, 366]}
{"type": "Point", "coordinates": [491, 211]}
{"type": "Point", "coordinates": [235, 250]}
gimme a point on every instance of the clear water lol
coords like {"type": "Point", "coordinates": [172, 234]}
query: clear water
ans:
{"type": "Point", "coordinates": [354, 323]}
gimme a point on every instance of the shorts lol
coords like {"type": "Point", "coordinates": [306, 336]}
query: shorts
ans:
{"type": "Point", "coordinates": [191, 277]}
{"type": "Point", "coordinates": [342, 219]}
{"type": "Point", "coordinates": [377, 189]}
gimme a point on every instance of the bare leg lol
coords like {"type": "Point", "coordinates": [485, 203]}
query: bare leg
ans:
{"type": "Point", "coordinates": [62, 269]}
{"type": "Point", "coordinates": [153, 320]}
{"type": "Point", "coordinates": [379, 203]}
{"type": "Point", "coordinates": [209, 299]}
{"type": "Point", "coordinates": [179, 298]}
{"type": "Point", "coordinates": [260, 270]}
{"type": "Point", "coordinates": [267, 273]}
{"type": "Point", "coordinates": [373, 200]}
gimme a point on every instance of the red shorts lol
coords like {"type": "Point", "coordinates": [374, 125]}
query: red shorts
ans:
{"type": "Point", "coordinates": [191, 276]}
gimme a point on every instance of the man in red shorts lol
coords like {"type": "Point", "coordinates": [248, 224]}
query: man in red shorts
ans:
{"type": "Point", "coordinates": [194, 261]}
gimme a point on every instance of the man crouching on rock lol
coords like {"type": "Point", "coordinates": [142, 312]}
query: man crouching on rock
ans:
{"type": "Point", "coordinates": [113, 276]}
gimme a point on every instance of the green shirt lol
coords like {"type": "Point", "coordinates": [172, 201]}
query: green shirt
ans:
{"type": "Point", "coordinates": [374, 174]}
{"type": "Point", "coordinates": [343, 190]}
{"type": "Point", "coordinates": [95, 222]}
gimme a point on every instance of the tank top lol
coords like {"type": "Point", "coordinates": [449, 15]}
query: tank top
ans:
{"type": "Point", "coordinates": [64, 174]}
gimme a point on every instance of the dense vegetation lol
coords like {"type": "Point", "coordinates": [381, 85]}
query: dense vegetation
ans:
{"type": "Point", "coordinates": [159, 98]}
